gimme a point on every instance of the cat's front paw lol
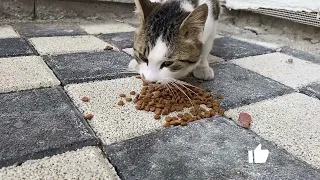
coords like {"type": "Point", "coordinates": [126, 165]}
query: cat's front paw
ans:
{"type": "Point", "coordinates": [204, 73]}
{"type": "Point", "coordinates": [133, 65]}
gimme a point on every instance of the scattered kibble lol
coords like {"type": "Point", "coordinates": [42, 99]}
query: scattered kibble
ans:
{"type": "Point", "coordinates": [85, 99]}
{"type": "Point", "coordinates": [120, 103]}
{"type": "Point", "coordinates": [162, 101]}
{"type": "Point", "coordinates": [128, 99]}
{"type": "Point", "coordinates": [88, 116]}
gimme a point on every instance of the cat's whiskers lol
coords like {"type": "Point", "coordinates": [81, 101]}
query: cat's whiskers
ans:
{"type": "Point", "coordinates": [175, 85]}
{"type": "Point", "coordinates": [182, 84]}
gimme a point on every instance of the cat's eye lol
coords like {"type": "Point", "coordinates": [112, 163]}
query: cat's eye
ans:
{"type": "Point", "coordinates": [166, 64]}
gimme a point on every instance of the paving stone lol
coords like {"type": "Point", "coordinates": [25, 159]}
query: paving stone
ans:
{"type": "Point", "coordinates": [291, 121]}
{"type": "Point", "coordinates": [206, 149]}
{"type": "Point", "coordinates": [25, 72]}
{"type": "Point", "coordinates": [85, 163]}
{"type": "Point", "coordinates": [39, 123]}
{"type": "Point", "coordinates": [228, 48]}
{"type": "Point", "coordinates": [301, 54]}
{"type": "Point", "coordinates": [68, 44]}
{"type": "Point", "coordinates": [107, 28]}
{"type": "Point", "coordinates": [240, 86]}
{"type": "Point", "coordinates": [89, 66]}
{"type": "Point", "coordinates": [15, 47]}
{"type": "Point", "coordinates": [43, 30]}
{"type": "Point", "coordinates": [113, 123]}
{"type": "Point", "coordinates": [129, 51]}
{"type": "Point", "coordinates": [312, 90]}
{"type": "Point", "coordinates": [7, 32]}
{"type": "Point", "coordinates": [260, 43]}
{"type": "Point", "coordinates": [276, 66]}
{"type": "Point", "coordinates": [121, 40]}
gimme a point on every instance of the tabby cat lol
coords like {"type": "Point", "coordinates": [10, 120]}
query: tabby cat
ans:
{"type": "Point", "coordinates": [174, 38]}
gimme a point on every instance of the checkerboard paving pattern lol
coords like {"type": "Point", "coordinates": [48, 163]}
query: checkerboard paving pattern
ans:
{"type": "Point", "coordinates": [46, 70]}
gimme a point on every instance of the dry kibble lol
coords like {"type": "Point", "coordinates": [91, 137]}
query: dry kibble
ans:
{"type": "Point", "coordinates": [128, 99]}
{"type": "Point", "coordinates": [85, 99]}
{"type": "Point", "coordinates": [120, 103]}
{"type": "Point", "coordinates": [132, 93]}
{"type": "Point", "coordinates": [88, 116]}
{"type": "Point", "coordinates": [195, 103]}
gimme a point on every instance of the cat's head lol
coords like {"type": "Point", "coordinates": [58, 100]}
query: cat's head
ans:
{"type": "Point", "coordinates": [167, 42]}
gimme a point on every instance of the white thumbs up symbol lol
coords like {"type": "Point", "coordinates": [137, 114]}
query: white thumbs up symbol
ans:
{"type": "Point", "coordinates": [258, 155]}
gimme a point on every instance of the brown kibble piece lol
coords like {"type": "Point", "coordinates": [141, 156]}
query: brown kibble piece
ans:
{"type": "Point", "coordinates": [183, 123]}
{"type": "Point", "coordinates": [219, 96]}
{"type": "Point", "coordinates": [128, 99]}
{"type": "Point", "coordinates": [120, 103]}
{"type": "Point", "coordinates": [168, 118]}
{"type": "Point", "coordinates": [132, 93]}
{"type": "Point", "coordinates": [88, 116]}
{"type": "Point", "coordinates": [166, 125]}
{"type": "Point", "coordinates": [157, 117]}
{"type": "Point", "coordinates": [122, 95]}
{"type": "Point", "coordinates": [244, 120]}
{"type": "Point", "coordinates": [85, 99]}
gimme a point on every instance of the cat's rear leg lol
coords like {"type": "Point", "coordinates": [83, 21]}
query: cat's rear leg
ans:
{"type": "Point", "coordinates": [203, 70]}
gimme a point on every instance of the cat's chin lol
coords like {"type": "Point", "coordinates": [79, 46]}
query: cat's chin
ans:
{"type": "Point", "coordinates": [133, 65]}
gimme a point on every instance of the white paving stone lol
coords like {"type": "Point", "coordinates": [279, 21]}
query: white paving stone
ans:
{"type": "Point", "coordinates": [7, 32]}
{"type": "Point", "coordinates": [128, 51]}
{"type": "Point", "coordinates": [111, 122]}
{"type": "Point", "coordinates": [26, 72]}
{"type": "Point", "coordinates": [85, 163]}
{"type": "Point", "coordinates": [292, 121]}
{"type": "Point", "coordinates": [276, 66]}
{"type": "Point", "coordinates": [107, 28]}
{"type": "Point", "coordinates": [68, 44]}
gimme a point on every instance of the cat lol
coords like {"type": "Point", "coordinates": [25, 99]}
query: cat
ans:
{"type": "Point", "coordinates": [174, 39]}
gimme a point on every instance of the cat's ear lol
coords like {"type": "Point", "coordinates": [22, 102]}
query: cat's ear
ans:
{"type": "Point", "coordinates": [144, 8]}
{"type": "Point", "coordinates": [194, 23]}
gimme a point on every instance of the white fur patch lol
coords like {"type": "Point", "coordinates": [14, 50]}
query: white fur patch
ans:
{"type": "Point", "coordinates": [186, 6]}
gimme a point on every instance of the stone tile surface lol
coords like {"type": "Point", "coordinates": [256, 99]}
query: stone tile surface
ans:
{"type": "Point", "coordinates": [301, 55]}
{"type": "Point", "coordinates": [43, 30]}
{"type": "Point", "coordinates": [14, 47]}
{"type": "Point", "coordinates": [228, 48]}
{"type": "Point", "coordinates": [89, 66]}
{"type": "Point", "coordinates": [312, 90]}
{"type": "Point", "coordinates": [129, 51]}
{"type": "Point", "coordinates": [240, 86]}
{"type": "Point", "coordinates": [121, 40]}
{"type": "Point", "coordinates": [207, 149]}
{"type": "Point", "coordinates": [39, 123]}
{"type": "Point", "coordinates": [260, 43]}
{"type": "Point", "coordinates": [107, 28]}
{"type": "Point", "coordinates": [85, 163]}
{"type": "Point", "coordinates": [276, 66]}
{"type": "Point", "coordinates": [7, 32]}
{"type": "Point", "coordinates": [26, 72]}
{"type": "Point", "coordinates": [113, 123]}
{"type": "Point", "coordinates": [291, 121]}
{"type": "Point", "coordinates": [67, 44]}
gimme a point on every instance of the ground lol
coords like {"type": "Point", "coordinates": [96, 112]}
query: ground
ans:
{"type": "Point", "coordinates": [47, 69]}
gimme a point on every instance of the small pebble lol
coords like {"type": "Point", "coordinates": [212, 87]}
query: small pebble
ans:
{"type": "Point", "coordinates": [290, 61]}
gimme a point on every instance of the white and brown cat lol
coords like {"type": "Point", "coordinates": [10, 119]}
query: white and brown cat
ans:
{"type": "Point", "coordinates": [174, 38]}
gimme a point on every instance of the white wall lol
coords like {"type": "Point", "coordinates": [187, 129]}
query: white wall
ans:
{"type": "Point", "coordinates": [294, 5]}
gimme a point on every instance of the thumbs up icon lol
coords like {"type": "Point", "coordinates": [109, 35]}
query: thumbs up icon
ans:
{"type": "Point", "coordinates": [258, 155]}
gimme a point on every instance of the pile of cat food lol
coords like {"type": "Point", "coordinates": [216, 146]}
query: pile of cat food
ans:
{"type": "Point", "coordinates": [190, 103]}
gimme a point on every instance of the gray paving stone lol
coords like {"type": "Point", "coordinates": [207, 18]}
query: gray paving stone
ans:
{"type": "Point", "coordinates": [15, 47]}
{"type": "Point", "coordinates": [207, 149]}
{"type": "Point", "coordinates": [39, 123]}
{"type": "Point", "coordinates": [84, 67]}
{"type": "Point", "coordinates": [45, 30]}
{"type": "Point", "coordinates": [312, 90]}
{"type": "Point", "coordinates": [240, 86]}
{"type": "Point", "coordinates": [300, 54]}
{"type": "Point", "coordinates": [228, 48]}
{"type": "Point", "coordinates": [121, 40]}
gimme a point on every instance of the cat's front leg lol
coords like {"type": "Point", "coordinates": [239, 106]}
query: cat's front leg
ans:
{"type": "Point", "coordinates": [203, 70]}
{"type": "Point", "coordinates": [133, 65]}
